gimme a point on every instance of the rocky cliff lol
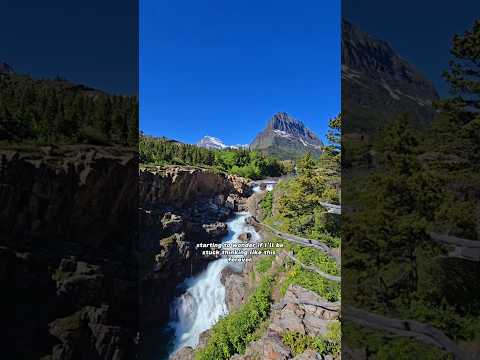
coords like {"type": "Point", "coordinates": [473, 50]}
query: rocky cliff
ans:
{"type": "Point", "coordinates": [79, 278]}
{"type": "Point", "coordinates": [286, 138]}
{"type": "Point", "coordinates": [67, 230]}
{"type": "Point", "coordinates": [378, 84]}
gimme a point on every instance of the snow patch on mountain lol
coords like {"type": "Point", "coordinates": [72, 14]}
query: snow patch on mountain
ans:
{"type": "Point", "coordinates": [211, 142]}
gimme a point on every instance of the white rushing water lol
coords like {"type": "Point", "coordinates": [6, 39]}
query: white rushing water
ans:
{"type": "Point", "coordinates": [203, 302]}
{"type": "Point", "coordinates": [269, 187]}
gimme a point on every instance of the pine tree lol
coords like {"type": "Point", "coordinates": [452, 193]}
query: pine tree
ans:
{"type": "Point", "coordinates": [459, 124]}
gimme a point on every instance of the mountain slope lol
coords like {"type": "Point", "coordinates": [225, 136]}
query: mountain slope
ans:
{"type": "Point", "coordinates": [211, 142]}
{"type": "Point", "coordinates": [5, 68]}
{"type": "Point", "coordinates": [377, 83]}
{"type": "Point", "coordinates": [286, 138]}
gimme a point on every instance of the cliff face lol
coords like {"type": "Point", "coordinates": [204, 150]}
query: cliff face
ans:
{"type": "Point", "coordinates": [67, 226]}
{"type": "Point", "coordinates": [286, 138]}
{"type": "Point", "coordinates": [180, 186]}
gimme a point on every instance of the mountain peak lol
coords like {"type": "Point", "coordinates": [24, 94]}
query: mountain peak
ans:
{"type": "Point", "coordinates": [281, 121]}
{"type": "Point", "coordinates": [5, 68]}
{"type": "Point", "coordinates": [211, 142]}
{"type": "Point", "coordinates": [287, 138]}
{"type": "Point", "coordinates": [375, 77]}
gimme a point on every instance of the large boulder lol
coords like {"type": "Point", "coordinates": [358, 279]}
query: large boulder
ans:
{"type": "Point", "coordinates": [203, 339]}
{"type": "Point", "coordinates": [171, 223]}
{"type": "Point", "coordinates": [309, 355]}
{"type": "Point", "coordinates": [235, 288]}
{"type": "Point", "coordinates": [185, 353]}
{"type": "Point", "coordinates": [216, 230]}
{"type": "Point", "coordinates": [304, 319]}
{"type": "Point", "coordinates": [269, 347]}
{"type": "Point", "coordinates": [246, 236]}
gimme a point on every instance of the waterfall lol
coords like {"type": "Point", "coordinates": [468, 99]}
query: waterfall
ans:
{"type": "Point", "coordinates": [203, 302]}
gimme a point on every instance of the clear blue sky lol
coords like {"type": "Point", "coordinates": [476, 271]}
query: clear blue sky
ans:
{"type": "Point", "coordinates": [223, 68]}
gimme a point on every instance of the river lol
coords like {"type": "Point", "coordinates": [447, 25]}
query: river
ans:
{"type": "Point", "coordinates": [203, 301]}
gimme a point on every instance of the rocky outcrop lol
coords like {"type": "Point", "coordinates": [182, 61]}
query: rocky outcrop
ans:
{"type": "Point", "coordinates": [67, 230]}
{"type": "Point", "coordinates": [300, 310]}
{"type": "Point", "coordinates": [180, 186]}
{"type": "Point", "coordinates": [269, 347]}
{"type": "Point", "coordinates": [303, 316]}
{"type": "Point", "coordinates": [311, 355]}
{"type": "Point", "coordinates": [235, 288]}
{"type": "Point", "coordinates": [287, 138]}
{"type": "Point", "coordinates": [215, 230]}
{"type": "Point", "coordinates": [245, 236]}
{"type": "Point", "coordinates": [185, 353]}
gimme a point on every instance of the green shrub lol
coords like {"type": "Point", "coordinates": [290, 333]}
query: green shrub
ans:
{"type": "Point", "coordinates": [327, 289]}
{"type": "Point", "coordinates": [264, 264]}
{"type": "Point", "coordinates": [232, 333]}
{"type": "Point", "coordinates": [328, 344]}
{"type": "Point", "coordinates": [312, 257]}
{"type": "Point", "coordinates": [267, 204]}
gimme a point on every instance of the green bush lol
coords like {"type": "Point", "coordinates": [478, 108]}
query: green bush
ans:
{"type": "Point", "coordinates": [312, 257]}
{"type": "Point", "coordinates": [330, 343]}
{"type": "Point", "coordinates": [327, 289]}
{"type": "Point", "coordinates": [264, 264]}
{"type": "Point", "coordinates": [267, 204]}
{"type": "Point", "coordinates": [232, 333]}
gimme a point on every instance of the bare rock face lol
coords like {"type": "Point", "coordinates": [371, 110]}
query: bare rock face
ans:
{"type": "Point", "coordinates": [235, 288]}
{"type": "Point", "coordinates": [375, 77]}
{"type": "Point", "coordinates": [305, 319]}
{"type": "Point", "coordinates": [290, 319]}
{"type": "Point", "coordinates": [75, 330]}
{"type": "Point", "coordinates": [269, 347]}
{"type": "Point", "coordinates": [245, 236]}
{"type": "Point", "coordinates": [66, 225]}
{"type": "Point", "coordinates": [309, 355]}
{"type": "Point", "coordinates": [216, 230]}
{"type": "Point", "coordinates": [172, 223]}
{"type": "Point", "coordinates": [183, 185]}
{"type": "Point", "coordinates": [203, 339]}
{"type": "Point", "coordinates": [185, 353]}
{"type": "Point", "coordinates": [286, 138]}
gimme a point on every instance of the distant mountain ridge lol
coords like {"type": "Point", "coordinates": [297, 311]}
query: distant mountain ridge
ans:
{"type": "Point", "coordinates": [287, 138]}
{"type": "Point", "coordinates": [378, 84]}
{"type": "Point", "coordinates": [211, 142]}
{"type": "Point", "coordinates": [6, 69]}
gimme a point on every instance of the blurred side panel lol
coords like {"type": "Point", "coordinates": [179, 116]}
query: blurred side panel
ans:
{"type": "Point", "coordinates": [68, 180]}
{"type": "Point", "coordinates": [410, 183]}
